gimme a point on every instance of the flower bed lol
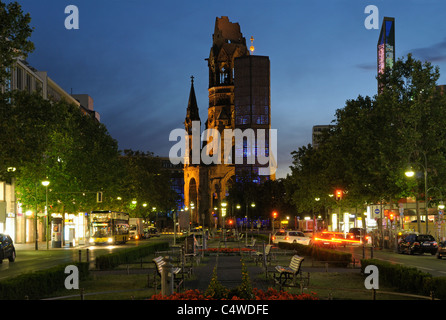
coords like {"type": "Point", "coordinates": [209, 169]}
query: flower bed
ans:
{"type": "Point", "coordinates": [216, 291]}
{"type": "Point", "coordinates": [270, 294]}
{"type": "Point", "coordinates": [226, 250]}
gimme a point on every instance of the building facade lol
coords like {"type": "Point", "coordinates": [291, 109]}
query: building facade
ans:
{"type": "Point", "coordinates": [239, 98]}
{"type": "Point", "coordinates": [14, 220]}
{"type": "Point", "coordinates": [386, 47]}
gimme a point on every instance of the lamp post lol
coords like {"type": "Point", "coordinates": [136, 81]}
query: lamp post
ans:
{"type": "Point", "coordinates": [410, 173]}
{"type": "Point", "coordinates": [46, 183]}
{"type": "Point", "coordinates": [317, 199]}
{"type": "Point", "coordinates": [440, 204]}
{"type": "Point", "coordinates": [253, 205]}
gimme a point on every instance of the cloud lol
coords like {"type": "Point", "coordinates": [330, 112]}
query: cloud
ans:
{"type": "Point", "coordinates": [367, 66]}
{"type": "Point", "coordinates": [433, 53]}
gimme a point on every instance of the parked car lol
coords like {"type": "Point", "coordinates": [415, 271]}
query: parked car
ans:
{"type": "Point", "coordinates": [150, 232]}
{"type": "Point", "coordinates": [418, 243]}
{"type": "Point", "coordinates": [441, 252]}
{"type": "Point", "coordinates": [290, 236]}
{"type": "Point", "coordinates": [7, 250]}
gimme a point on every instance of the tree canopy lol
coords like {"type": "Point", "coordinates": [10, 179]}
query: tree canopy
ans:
{"type": "Point", "coordinates": [374, 139]}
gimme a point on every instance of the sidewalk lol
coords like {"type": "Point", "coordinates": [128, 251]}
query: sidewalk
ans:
{"type": "Point", "coordinates": [42, 245]}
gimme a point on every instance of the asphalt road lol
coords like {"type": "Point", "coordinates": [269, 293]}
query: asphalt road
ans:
{"type": "Point", "coordinates": [28, 259]}
{"type": "Point", "coordinates": [425, 262]}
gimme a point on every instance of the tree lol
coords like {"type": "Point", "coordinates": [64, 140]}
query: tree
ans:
{"type": "Point", "coordinates": [373, 140]}
{"type": "Point", "coordinates": [14, 37]}
{"type": "Point", "coordinates": [144, 181]}
{"type": "Point", "coordinates": [56, 141]}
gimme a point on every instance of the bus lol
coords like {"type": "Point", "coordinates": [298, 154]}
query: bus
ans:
{"type": "Point", "coordinates": [109, 227]}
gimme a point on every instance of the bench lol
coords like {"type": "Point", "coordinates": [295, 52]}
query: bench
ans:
{"type": "Point", "coordinates": [288, 276]}
{"type": "Point", "coordinates": [175, 272]}
{"type": "Point", "coordinates": [252, 244]}
{"type": "Point", "coordinates": [258, 255]}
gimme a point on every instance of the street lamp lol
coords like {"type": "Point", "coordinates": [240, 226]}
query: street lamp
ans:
{"type": "Point", "coordinates": [46, 183]}
{"type": "Point", "coordinates": [410, 173]}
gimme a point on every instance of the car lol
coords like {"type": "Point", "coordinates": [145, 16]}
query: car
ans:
{"type": "Point", "coordinates": [418, 243]}
{"type": "Point", "coordinates": [330, 239]}
{"type": "Point", "coordinates": [441, 252]}
{"type": "Point", "coordinates": [150, 232]}
{"type": "Point", "coordinates": [357, 233]}
{"type": "Point", "coordinates": [291, 236]}
{"type": "Point", "coordinates": [7, 249]}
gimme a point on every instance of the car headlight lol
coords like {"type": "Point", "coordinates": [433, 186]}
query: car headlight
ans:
{"type": "Point", "coordinates": [110, 240]}
{"type": "Point", "coordinates": [91, 240]}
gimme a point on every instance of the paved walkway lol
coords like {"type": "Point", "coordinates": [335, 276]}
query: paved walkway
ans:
{"type": "Point", "coordinates": [229, 273]}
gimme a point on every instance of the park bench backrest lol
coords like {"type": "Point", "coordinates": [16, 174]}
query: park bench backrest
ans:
{"type": "Point", "coordinates": [159, 262]}
{"type": "Point", "coordinates": [295, 263]}
{"type": "Point", "coordinates": [268, 249]}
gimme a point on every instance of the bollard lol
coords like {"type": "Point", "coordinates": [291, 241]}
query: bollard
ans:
{"type": "Point", "coordinates": [88, 256]}
{"type": "Point", "coordinates": [80, 255]}
{"type": "Point", "coordinates": [166, 278]}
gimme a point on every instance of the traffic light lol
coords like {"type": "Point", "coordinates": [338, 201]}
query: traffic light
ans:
{"type": "Point", "coordinates": [391, 216]}
{"type": "Point", "coordinates": [338, 194]}
{"type": "Point", "coordinates": [274, 214]}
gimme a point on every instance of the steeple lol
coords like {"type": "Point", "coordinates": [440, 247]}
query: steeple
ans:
{"type": "Point", "coordinates": [192, 106]}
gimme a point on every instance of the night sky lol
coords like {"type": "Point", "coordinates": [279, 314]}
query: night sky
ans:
{"type": "Point", "coordinates": [135, 58]}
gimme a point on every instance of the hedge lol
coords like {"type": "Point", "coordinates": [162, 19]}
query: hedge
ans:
{"type": "Point", "coordinates": [38, 284]}
{"type": "Point", "coordinates": [408, 279]}
{"type": "Point", "coordinates": [333, 257]}
{"type": "Point", "coordinates": [112, 260]}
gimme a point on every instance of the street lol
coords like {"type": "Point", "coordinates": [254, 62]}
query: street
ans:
{"type": "Point", "coordinates": [29, 260]}
{"type": "Point", "coordinates": [426, 262]}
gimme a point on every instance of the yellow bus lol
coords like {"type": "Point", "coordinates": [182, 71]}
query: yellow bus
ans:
{"type": "Point", "coordinates": [109, 227]}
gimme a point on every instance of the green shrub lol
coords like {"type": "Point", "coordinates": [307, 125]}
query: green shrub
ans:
{"type": "Point", "coordinates": [408, 279]}
{"type": "Point", "coordinates": [38, 284]}
{"type": "Point", "coordinates": [333, 257]}
{"type": "Point", "coordinates": [112, 260]}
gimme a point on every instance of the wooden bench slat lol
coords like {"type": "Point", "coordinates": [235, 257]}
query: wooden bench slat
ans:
{"type": "Point", "coordinates": [290, 272]}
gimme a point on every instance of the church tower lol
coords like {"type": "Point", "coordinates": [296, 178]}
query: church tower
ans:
{"type": "Point", "coordinates": [234, 103]}
{"type": "Point", "coordinates": [192, 163]}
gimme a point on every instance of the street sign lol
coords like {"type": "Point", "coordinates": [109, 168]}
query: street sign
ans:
{"type": "Point", "coordinates": [377, 211]}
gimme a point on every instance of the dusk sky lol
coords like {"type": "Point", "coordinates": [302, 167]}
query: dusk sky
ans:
{"type": "Point", "coordinates": [135, 58]}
